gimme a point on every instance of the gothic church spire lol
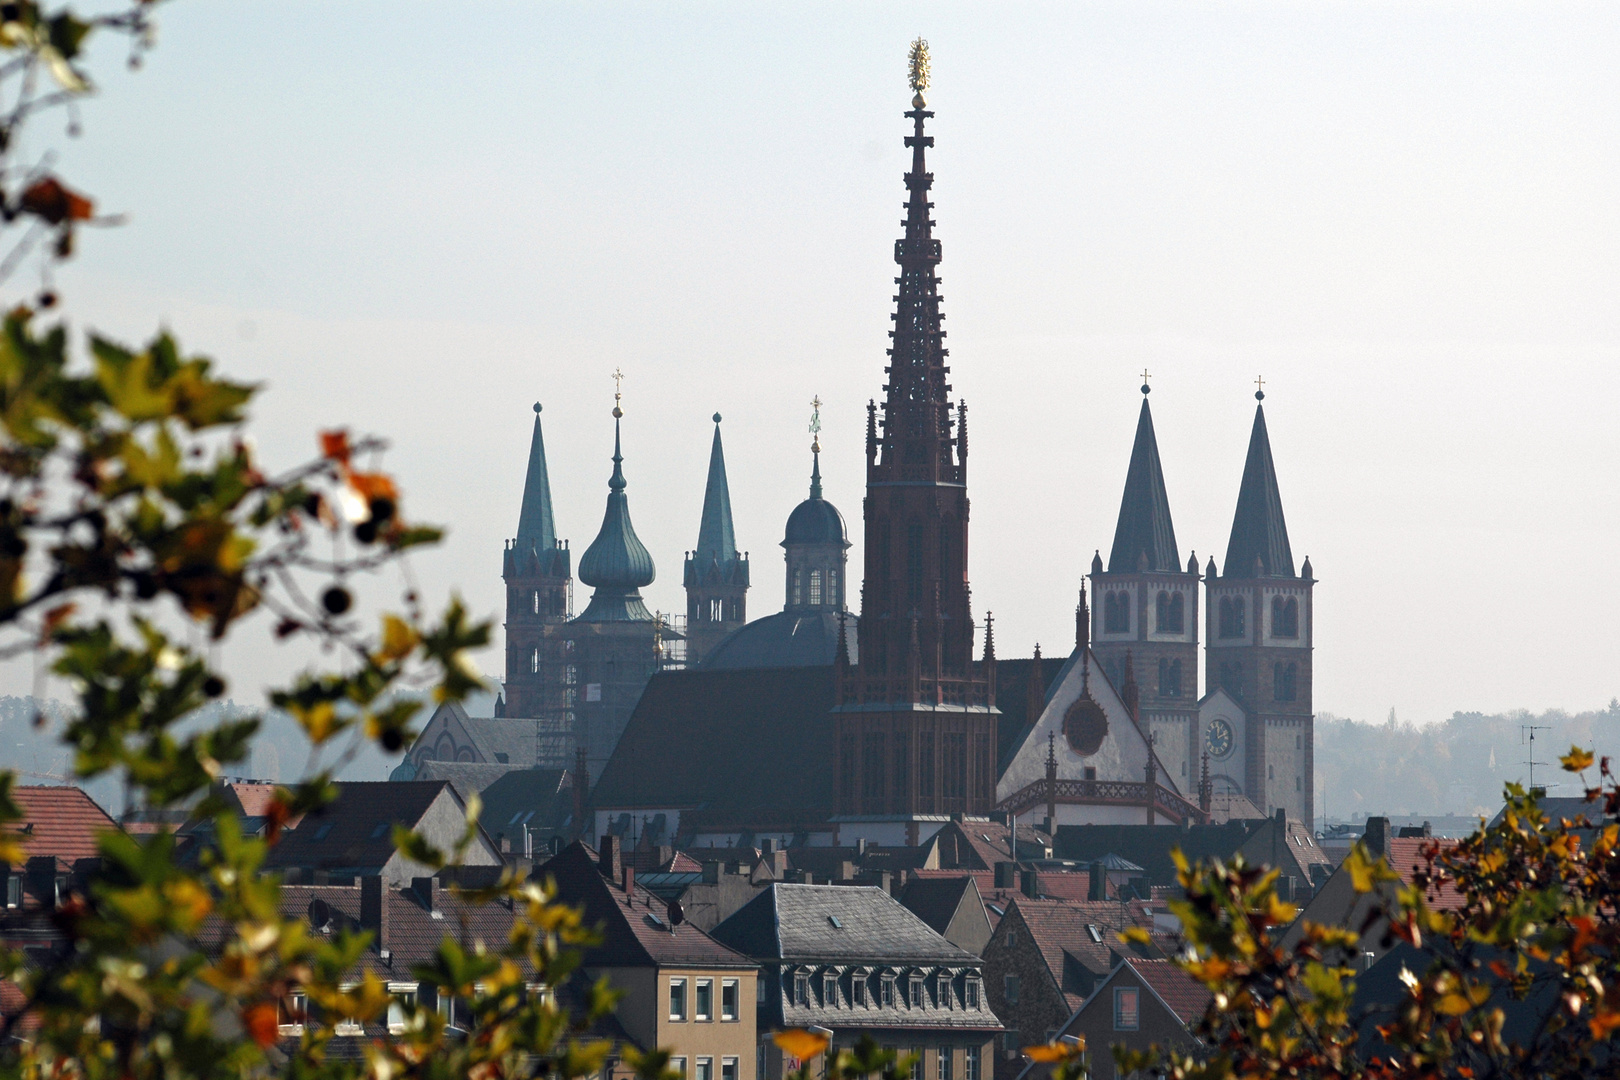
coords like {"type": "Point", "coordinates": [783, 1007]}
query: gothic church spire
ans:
{"type": "Point", "coordinates": [1144, 529]}
{"type": "Point", "coordinates": [537, 529]}
{"type": "Point", "coordinates": [717, 540]}
{"type": "Point", "coordinates": [1259, 543]}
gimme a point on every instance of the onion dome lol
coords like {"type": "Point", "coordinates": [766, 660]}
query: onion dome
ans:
{"type": "Point", "coordinates": [616, 564]}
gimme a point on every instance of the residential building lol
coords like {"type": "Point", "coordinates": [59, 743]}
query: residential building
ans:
{"type": "Point", "coordinates": [852, 959]}
{"type": "Point", "coordinates": [952, 908]}
{"type": "Point", "coordinates": [1141, 1003]}
{"type": "Point", "coordinates": [683, 989]}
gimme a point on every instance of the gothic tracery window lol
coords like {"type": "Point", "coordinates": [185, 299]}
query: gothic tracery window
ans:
{"type": "Point", "coordinates": [1285, 617]}
{"type": "Point", "coordinates": [1232, 617]}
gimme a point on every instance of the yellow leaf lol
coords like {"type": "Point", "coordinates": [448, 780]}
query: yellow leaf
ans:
{"type": "Point", "coordinates": [1453, 1005]}
{"type": "Point", "coordinates": [1280, 912]}
{"type": "Point", "coordinates": [398, 639]}
{"type": "Point", "coordinates": [1053, 1052]}
{"type": "Point", "coordinates": [799, 1043]}
{"type": "Point", "coordinates": [1577, 759]}
{"type": "Point", "coordinates": [1135, 935]}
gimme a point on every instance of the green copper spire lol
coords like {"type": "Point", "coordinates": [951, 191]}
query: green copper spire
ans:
{"type": "Point", "coordinates": [616, 564]}
{"type": "Point", "coordinates": [537, 529]}
{"type": "Point", "coordinates": [1259, 543]}
{"type": "Point", "coordinates": [717, 540]}
{"type": "Point", "coordinates": [1144, 529]}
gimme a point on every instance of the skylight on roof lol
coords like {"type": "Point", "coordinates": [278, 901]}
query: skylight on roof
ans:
{"type": "Point", "coordinates": [322, 832]}
{"type": "Point", "coordinates": [377, 833]}
{"type": "Point", "coordinates": [655, 920]}
{"type": "Point", "coordinates": [835, 923]}
{"type": "Point", "coordinates": [1096, 934]}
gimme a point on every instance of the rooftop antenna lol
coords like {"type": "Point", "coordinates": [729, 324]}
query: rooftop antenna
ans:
{"type": "Point", "coordinates": [1527, 734]}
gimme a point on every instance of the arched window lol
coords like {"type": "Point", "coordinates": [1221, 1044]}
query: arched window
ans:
{"type": "Point", "coordinates": [832, 588]}
{"type": "Point", "coordinates": [534, 661]}
{"type": "Point", "coordinates": [798, 587]}
{"type": "Point", "coordinates": [1161, 612]}
{"type": "Point", "coordinates": [1117, 613]}
{"type": "Point", "coordinates": [1170, 613]}
{"type": "Point", "coordinates": [815, 588]}
{"type": "Point", "coordinates": [717, 611]}
{"type": "Point", "coordinates": [1169, 678]}
{"type": "Point", "coordinates": [1284, 617]}
{"type": "Point", "coordinates": [537, 601]}
{"type": "Point", "coordinates": [1232, 678]}
{"type": "Point", "coordinates": [1284, 679]}
{"type": "Point", "coordinates": [1232, 619]}
{"type": "Point", "coordinates": [1178, 614]}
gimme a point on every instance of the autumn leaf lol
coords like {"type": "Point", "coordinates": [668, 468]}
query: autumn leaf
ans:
{"type": "Point", "coordinates": [55, 202]}
{"type": "Point", "coordinates": [1053, 1052]}
{"type": "Point", "coordinates": [1603, 1023]}
{"type": "Point", "coordinates": [799, 1043]}
{"type": "Point", "coordinates": [1577, 759]}
{"type": "Point", "coordinates": [1453, 1005]}
{"type": "Point", "coordinates": [1135, 935]}
{"type": "Point", "coordinates": [398, 639]}
{"type": "Point", "coordinates": [260, 1021]}
{"type": "Point", "coordinates": [335, 446]}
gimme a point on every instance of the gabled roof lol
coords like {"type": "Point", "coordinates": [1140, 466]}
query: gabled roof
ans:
{"type": "Point", "coordinates": [1258, 530]}
{"type": "Point", "coordinates": [748, 740]}
{"type": "Point", "coordinates": [835, 924]}
{"type": "Point", "coordinates": [1183, 995]}
{"type": "Point", "coordinates": [538, 798]}
{"type": "Point", "coordinates": [1405, 855]}
{"type": "Point", "coordinates": [1012, 696]}
{"type": "Point", "coordinates": [636, 929]}
{"type": "Point", "coordinates": [936, 900]}
{"type": "Point", "coordinates": [1144, 527]}
{"type": "Point", "coordinates": [355, 831]}
{"type": "Point", "coordinates": [1087, 931]}
{"type": "Point", "coordinates": [467, 777]}
{"type": "Point", "coordinates": [62, 822]}
{"type": "Point", "coordinates": [1150, 845]}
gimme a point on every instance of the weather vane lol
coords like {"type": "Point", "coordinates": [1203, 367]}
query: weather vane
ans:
{"type": "Point", "coordinates": [919, 69]}
{"type": "Point", "coordinates": [618, 386]}
{"type": "Point", "coordinates": [815, 424]}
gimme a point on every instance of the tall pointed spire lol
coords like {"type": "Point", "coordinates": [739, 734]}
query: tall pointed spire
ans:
{"type": "Point", "coordinates": [537, 529]}
{"type": "Point", "coordinates": [717, 540]}
{"type": "Point", "coordinates": [616, 564]}
{"type": "Point", "coordinates": [1259, 543]}
{"type": "Point", "coordinates": [1144, 527]}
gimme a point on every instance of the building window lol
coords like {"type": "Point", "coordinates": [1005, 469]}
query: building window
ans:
{"type": "Point", "coordinates": [970, 1063]}
{"type": "Point", "coordinates": [857, 987]}
{"type": "Point", "coordinates": [1116, 613]}
{"type": "Point", "coordinates": [13, 890]}
{"type": "Point", "coordinates": [942, 1071]}
{"type": "Point", "coordinates": [537, 601]}
{"type": "Point", "coordinates": [1283, 681]}
{"type": "Point", "coordinates": [829, 991]}
{"type": "Point", "coordinates": [916, 993]}
{"type": "Point", "coordinates": [1233, 611]}
{"type": "Point", "coordinates": [1012, 932]}
{"type": "Point", "coordinates": [872, 751]}
{"type": "Point", "coordinates": [677, 1065]}
{"type": "Point", "coordinates": [1127, 1011]}
{"type": "Point", "coordinates": [973, 993]}
{"type": "Point", "coordinates": [947, 995]}
{"type": "Point", "coordinates": [832, 587]}
{"type": "Point", "coordinates": [717, 610]}
{"type": "Point", "coordinates": [401, 1002]}
{"type": "Point", "coordinates": [291, 1012]}
{"type": "Point", "coordinates": [888, 990]}
{"type": "Point", "coordinates": [677, 999]}
{"type": "Point", "coordinates": [1169, 678]}
{"type": "Point", "coordinates": [705, 1069]}
{"type": "Point", "coordinates": [1170, 613]}
{"type": "Point", "coordinates": [815, 588]}
{"type": "Point", "coordinates": [534, 661]}
{"type": "Point", "coordinates": [703, 1000]}
{"type": "Point", "coordinates": [1284, 617]}
{"type": "Point", "coordinates": [1009, 988]}
{"type": "Point", "coordinates": [798, 587]}
{"type": "Point", "coordinates": [1010, 1040]}
{"type": "Point", "coordinates": [728, 1068]}
{"type": "Point", "coordinates": [1297, 784]}
{"type": "Point", "coordinates": [801, 989]}
{"type": "Point", "coordinates": [730, 998]}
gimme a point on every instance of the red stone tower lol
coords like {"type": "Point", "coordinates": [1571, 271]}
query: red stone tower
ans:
{"type": "Point", "coordinates": [915, 726]}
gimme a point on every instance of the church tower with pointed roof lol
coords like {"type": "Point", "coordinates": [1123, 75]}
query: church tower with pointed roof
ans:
{"type": "Point", "coordinates": [1259, 613]}
{"type": "Point", "coordinates": [716, 572]}
{"type": "Point", "coordinates": [539, 593]}
{"type": "Point", "coordinates": [1145, 610]}
{"type": "Point", "coordinates": [915, 725]}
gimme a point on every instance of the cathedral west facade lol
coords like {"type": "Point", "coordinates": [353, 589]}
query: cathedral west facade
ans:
{"type": "Point", "coordinates": [918, 721]}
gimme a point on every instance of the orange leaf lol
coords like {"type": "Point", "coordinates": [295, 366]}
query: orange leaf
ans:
{"type": "Point", "coordinates": [335, 446]}
{"type": "Point", "coordinates": [1583, 934]}
{"type": "Point", "coordinates": [373, 486]}
{"type": "Point", "coordinates": [1602, 1023]}
{"type": "Point", "coordinates": [55, 202]}
{"type": "Point", "coordinates": [260, 1021]}
{"type": "Point", "coordinates": [800, 1043]}
{"type": "Point", "coordinates": [1053, 1052]}
{"type": "Point", "coordinates": [54, 618]}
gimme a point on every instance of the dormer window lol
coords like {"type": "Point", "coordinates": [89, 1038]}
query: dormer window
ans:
{"type": "Point", "coordinates": [916, 992]}
{"type": "Point", "coordinates": [829, 990]}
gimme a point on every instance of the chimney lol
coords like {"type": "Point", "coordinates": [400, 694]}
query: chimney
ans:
{"type": "Point", "coordinates": [1005, 872]}
{"type": "Point", "coordinates": [1376, 836]}
{"type": "Point", "coordinates": [374, 910]}
{"type": "Point", "coordinates": [778, 861]}
{"type": "Point", "coordinates": [846, 870]}
{"type": "Point", "coordinates": [1030, 884]}
{"type": "Point", "coordinates": [767, 845]}
{"type": "Point", "coordinates": [711, 873]}
{"type": "Point", "coordinates": [860, 848]}
{"type": "Point", "coordinates": [506, 845]}
{"type": "Point", "coordinates": [425, 889]}
{"type": "Point", "coordinates": [1098, 886]}
{"type": "Point", "coordinates": [629, 883]}
{"type": "Point", "coordinates": [608, 857]}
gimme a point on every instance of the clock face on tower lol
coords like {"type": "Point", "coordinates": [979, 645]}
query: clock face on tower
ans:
{"type": "Point", "coordinates": [1219, 738]}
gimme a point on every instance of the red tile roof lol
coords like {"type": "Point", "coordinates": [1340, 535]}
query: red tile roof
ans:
{"type": "Point", "coordinates": [60, 821]}
{"type": "Point", "coordinates": [1405, 855]}
{"type": "Point", "coordinates": [1186, 996]}
{"type": "Point", "coordinates": [1060, 926]}
{"type": "Point", "coordinates": [253, 798]}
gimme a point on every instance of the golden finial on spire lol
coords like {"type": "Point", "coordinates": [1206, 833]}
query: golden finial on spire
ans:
{"type": "Point", "coordinates": [919, 71]}
{"type": "Point", "coordinates": [815, 424]}
{"type": "Point", "coordinates": [618, 387]}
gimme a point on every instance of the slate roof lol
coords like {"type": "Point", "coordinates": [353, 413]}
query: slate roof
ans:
{"type": "Point", "coordinates": [1144, 526]}
{"type": "Point", "coordinates": [1150, 845]}
{"type": "Point", "coordinates": [360, 839]}
{"type": "Point", "coordinates": [936, 900]}
{"type": "Point", "coordinates": [793, 638]}
{"type": "Point", "coordinates": [467, 777]}
{"type": "Point", "coordinates": [1059, 929]}
{"type": "Point", "coordinates": [987, 843]}
{"type": "Point", "coordinates": [636, 930]}
{"type": "Point", "coordinates": [60, 821]}
{"type": "Point", "coordinates": [1258, 529]}
{"type": "Point", "coordinates": [537, 529]}
{"type": "Point", "coordinates": [1186, 996]}
{"type": "Point", "coordinates": [717, 539]}
{"type": "Point", "coordinates": [542, 799]}
{"type": "Point", "coordinates": [795, 922]}
{"type": "Point", "coordinates": [726, 740]}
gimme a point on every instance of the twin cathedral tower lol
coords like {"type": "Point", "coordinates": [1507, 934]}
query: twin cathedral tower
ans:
{"type": "Point", "coordinates": [916, 731]}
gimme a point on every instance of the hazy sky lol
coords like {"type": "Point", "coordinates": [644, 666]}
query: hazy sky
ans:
{"type": "Point", "coordinates": [418, 219]}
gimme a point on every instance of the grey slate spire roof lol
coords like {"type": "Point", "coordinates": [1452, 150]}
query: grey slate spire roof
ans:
{"type": "Point", "coordinates": [1144, 526]}
{"type": "Point", "coordinates": [536, 526]}
{"type": "Point", "coordinates": [616, 564]}
{"type": "Point", "coordinates": [1258, 529]}
{"type": "Point", "coordinates": [716, 555]}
